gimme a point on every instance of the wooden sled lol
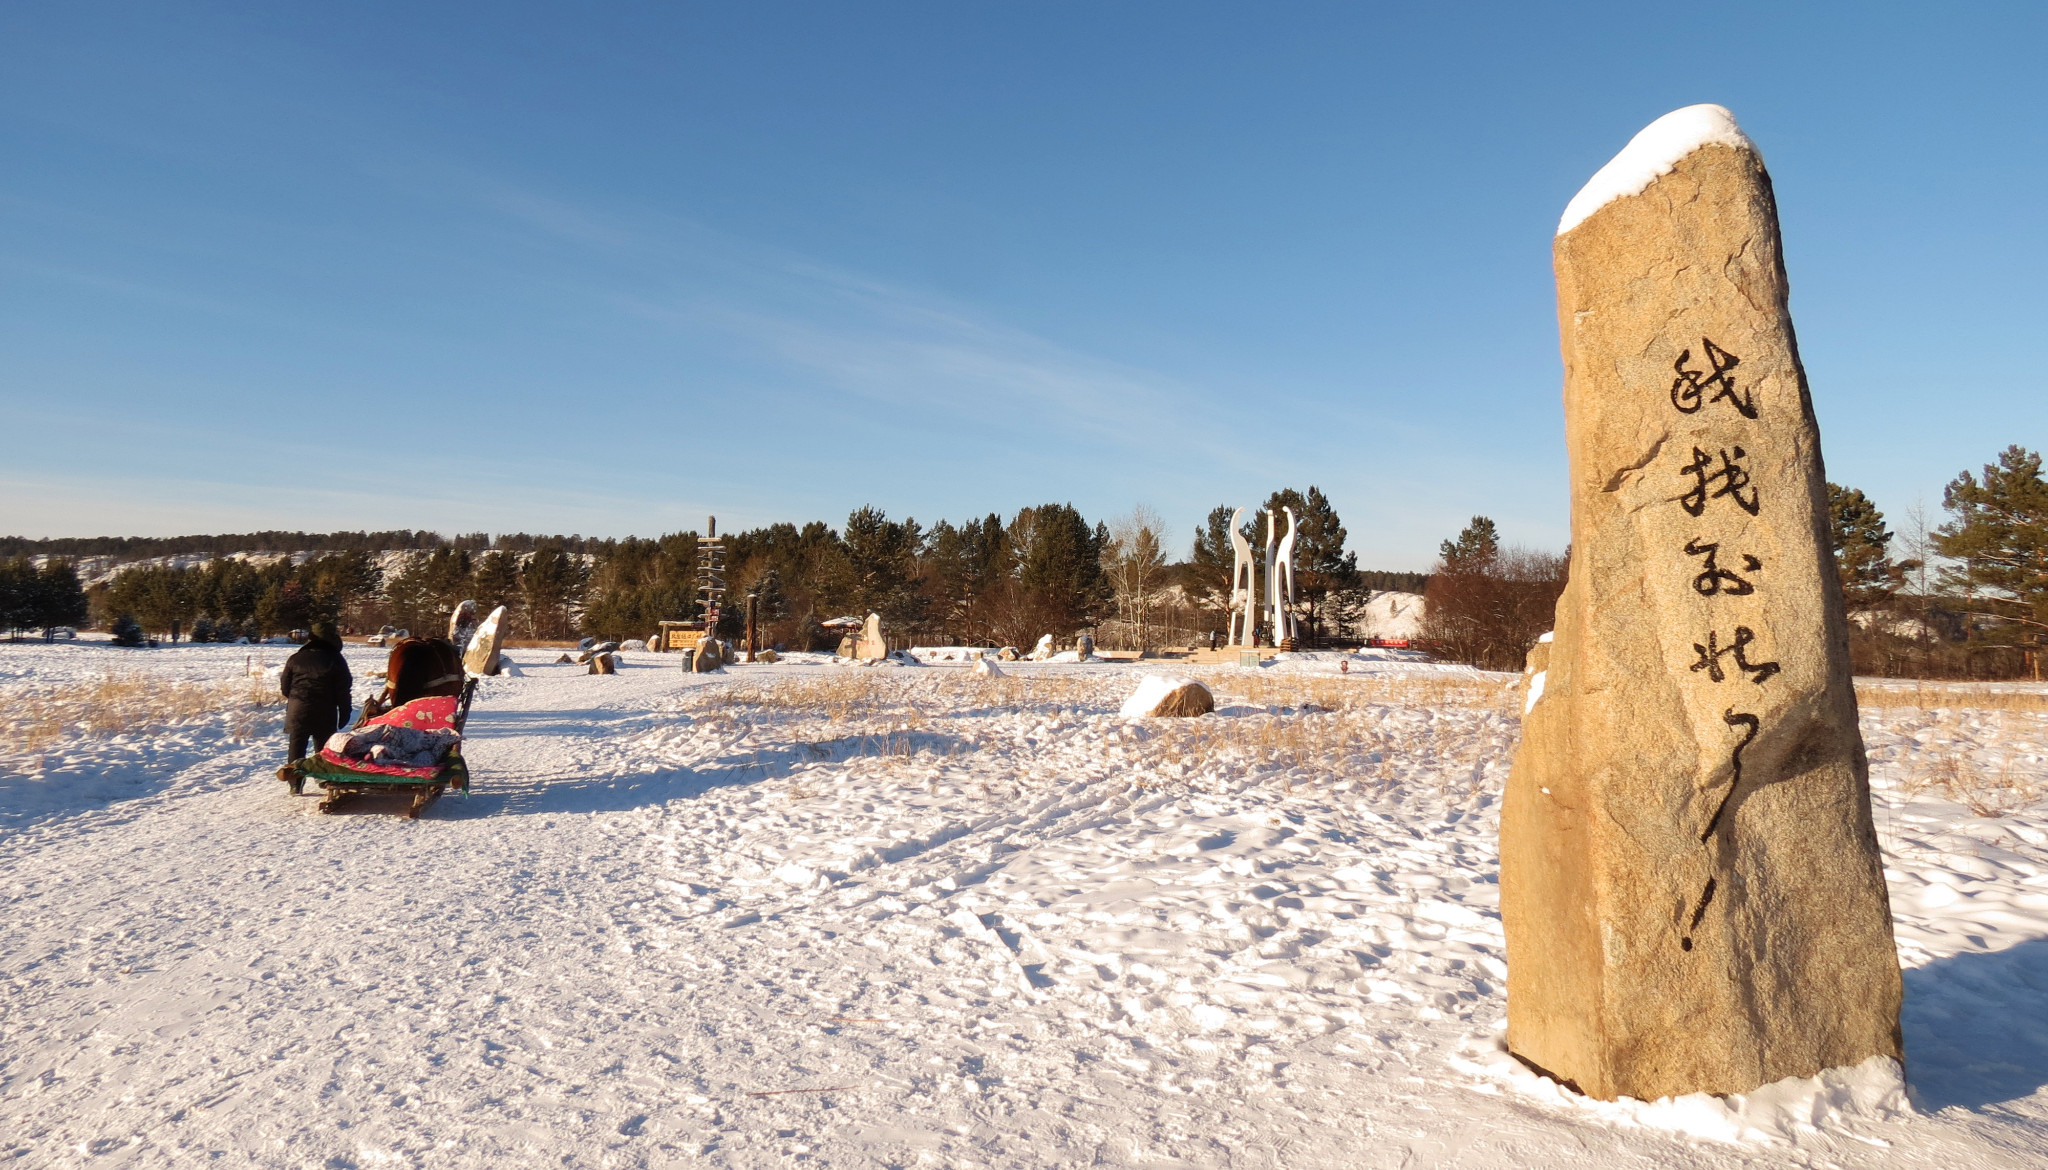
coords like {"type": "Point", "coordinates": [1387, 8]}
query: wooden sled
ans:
{"type": "Point", "coordinates": [337, 782]}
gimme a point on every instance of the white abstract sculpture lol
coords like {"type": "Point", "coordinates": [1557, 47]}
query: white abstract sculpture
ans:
{"type": "Point", "coordinates": [1266, 597]}
{"type": "Point", "coordinates": [1271, 595]}
{"type": "Point", "coordinates": [1242, 593]}
{"type": "Point", "coordinates": [1280, 580]}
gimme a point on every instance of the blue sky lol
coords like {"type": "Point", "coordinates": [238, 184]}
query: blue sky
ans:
{"type": "Point", "coordinates": [608, 268]}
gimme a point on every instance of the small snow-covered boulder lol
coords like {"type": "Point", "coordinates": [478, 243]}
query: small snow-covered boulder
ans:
{"type": "Point", "coordinates": [508, 668]}
{"type": "Point", "coordinates": [1168, 694]}
{"type": "Point", "coordinates": [586, 643]}
{"type": "Point", "coordinates": [633, 644]}
{"type": "Point", "coordinates": [1009, 654]}
{"type": "Point", "coordinates": [767, 656]}
{"type": "Point", "coordinates": [562, 659]}
{"type": "Point", "coordinates": [603, 664]}
{"type": "Point", "coordinates": [1043, 650]}
{"type": "Point", "coordinates": [987, 668]}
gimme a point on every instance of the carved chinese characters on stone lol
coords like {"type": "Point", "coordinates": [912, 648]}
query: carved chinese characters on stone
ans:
{"type": "Point", "coordinates": [1689, 392]}
{"type": "Point", "coordinates": [1710, 656]}
{"type": "Point", "coordinates": [1729, 481]}
{"type": "Point", "coordinates": [1690, 882]}
{"type": "Point", "coordinates": [1714, 579]}
{"type": "Point", "coordinates": [1691, 383]}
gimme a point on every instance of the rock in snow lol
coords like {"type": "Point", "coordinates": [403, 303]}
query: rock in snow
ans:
{"type": "Point", "coordinates": [1690, 879]}
{"type": "Point", "coordinates": [1167, 694]}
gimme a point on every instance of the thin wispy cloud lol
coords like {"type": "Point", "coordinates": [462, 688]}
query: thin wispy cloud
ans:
{"type": "Point", "coordinates": [558, 219]}
{"type": "Point", "coordinates": [877, 342]}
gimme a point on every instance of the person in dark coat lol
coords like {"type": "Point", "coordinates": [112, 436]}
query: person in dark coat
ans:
{"type": "Point", "coordinates": [316, 686]}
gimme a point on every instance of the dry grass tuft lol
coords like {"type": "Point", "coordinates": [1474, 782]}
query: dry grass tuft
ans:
{"type": "Point", "coordinates": [1986, 793]}
{"type": "Point", "coordinates": [1930, 696]}
{"type": "Point", "coordinates": [844, 696]}
{"type": "Point", "coordinates": [1351, 692]}
{"type": "Point", "coordinates": [1326, 747]}
{"type": "Point", "coordinates": [37, 719]}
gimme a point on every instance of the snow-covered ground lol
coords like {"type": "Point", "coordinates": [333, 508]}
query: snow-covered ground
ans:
{"type": "Point", "coordinates": [808, 913]}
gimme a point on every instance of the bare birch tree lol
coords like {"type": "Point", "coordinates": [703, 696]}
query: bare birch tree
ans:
{"type": "Point", "coordinates": [1134, 560]}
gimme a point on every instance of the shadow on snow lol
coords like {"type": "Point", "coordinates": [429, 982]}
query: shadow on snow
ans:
{"type": "Point", "coordinates": [1977, 1027]}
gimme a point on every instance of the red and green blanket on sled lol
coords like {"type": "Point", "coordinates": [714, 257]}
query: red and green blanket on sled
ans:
{"type": "Point", "coordinates": [414, 748]}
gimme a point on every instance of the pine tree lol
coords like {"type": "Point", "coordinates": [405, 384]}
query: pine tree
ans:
{"type": "Point", "coordinates": [771, 604]}
{"type": "Point", "coordinates": [1863, 561]}
{"type": "Point", "coordinates": [1211, 560]}
{"type": "Point", "coordinates": [408, 595]}
{"type": "Point", "coordinates": [1999, 541]}
{"type": "Point", "coordinates": [127, 631]}
{"type": "Point", "coordinates": [1384, 580]}
{"type": "Point", "coordinates": [446, 586]}
{"type": "Point", "coordinates": [1059, 568]}
{"type": "Point", "coordinates": [637, 584]}
{"type": "Point", "coordinates": [551, 585]}
{"type": "Point", "coordinates": [17, 595]}
{"type": "Point", "coordinates": [227, 588]}
{"type": "Point", "coordinates": [811, 565]}
{"type": "Point", "coordinates": [344, 587]}
{"type": "Point", "coordinates": [155, 595]}
{"type": "Point", "coordinates": [285, 606]}
{"type": "Point", "coordinates": [964, 565]}
{"type": "Point", "coordinates": [496, 581]}
{"type": "Point", "coordinates": [1325, 576]}
{"type": "Point", "coordinates": [1474, 549]}
{"type": "Point", "coordinates": [883, 557]}
{"type": "Point", "coordinates": [59, 598]}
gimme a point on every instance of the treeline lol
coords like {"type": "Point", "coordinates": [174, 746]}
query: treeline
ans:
{"type": "Point", "coordinates": [230, 598]}
{"type": "Point", "coordinates": [227, 598]}
{"type": "Point", "coordinates": [44, 598]}
{"type": "Point", "coordinates": [992, 580]}
{"type": "Point", "coordinates": [135, 548]}
{"type": "Point", "coordinates": [1969, 599]}
{"type": "Point", "coordinates": [985, 580]}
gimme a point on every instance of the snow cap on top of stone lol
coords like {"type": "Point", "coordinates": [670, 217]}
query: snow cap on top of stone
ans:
{"type": "Point", "coordinates": [1654, 150]}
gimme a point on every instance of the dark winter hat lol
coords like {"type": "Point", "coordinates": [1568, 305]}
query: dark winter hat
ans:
{"type": "Point", "coordinates": [325, 632]}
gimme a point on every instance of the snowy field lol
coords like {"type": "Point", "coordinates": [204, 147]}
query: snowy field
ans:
{"type": "Point", "coordinates": [814, 914]}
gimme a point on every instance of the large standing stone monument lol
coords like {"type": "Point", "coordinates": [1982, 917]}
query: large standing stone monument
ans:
{"type": "Point", "coordinates": [1690, 881]}
{"type": "Point", "coordinates": [872, 647]}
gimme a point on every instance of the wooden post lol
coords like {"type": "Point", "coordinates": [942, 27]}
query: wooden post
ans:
{"type": "Point", "coordinates": [753, 625]}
